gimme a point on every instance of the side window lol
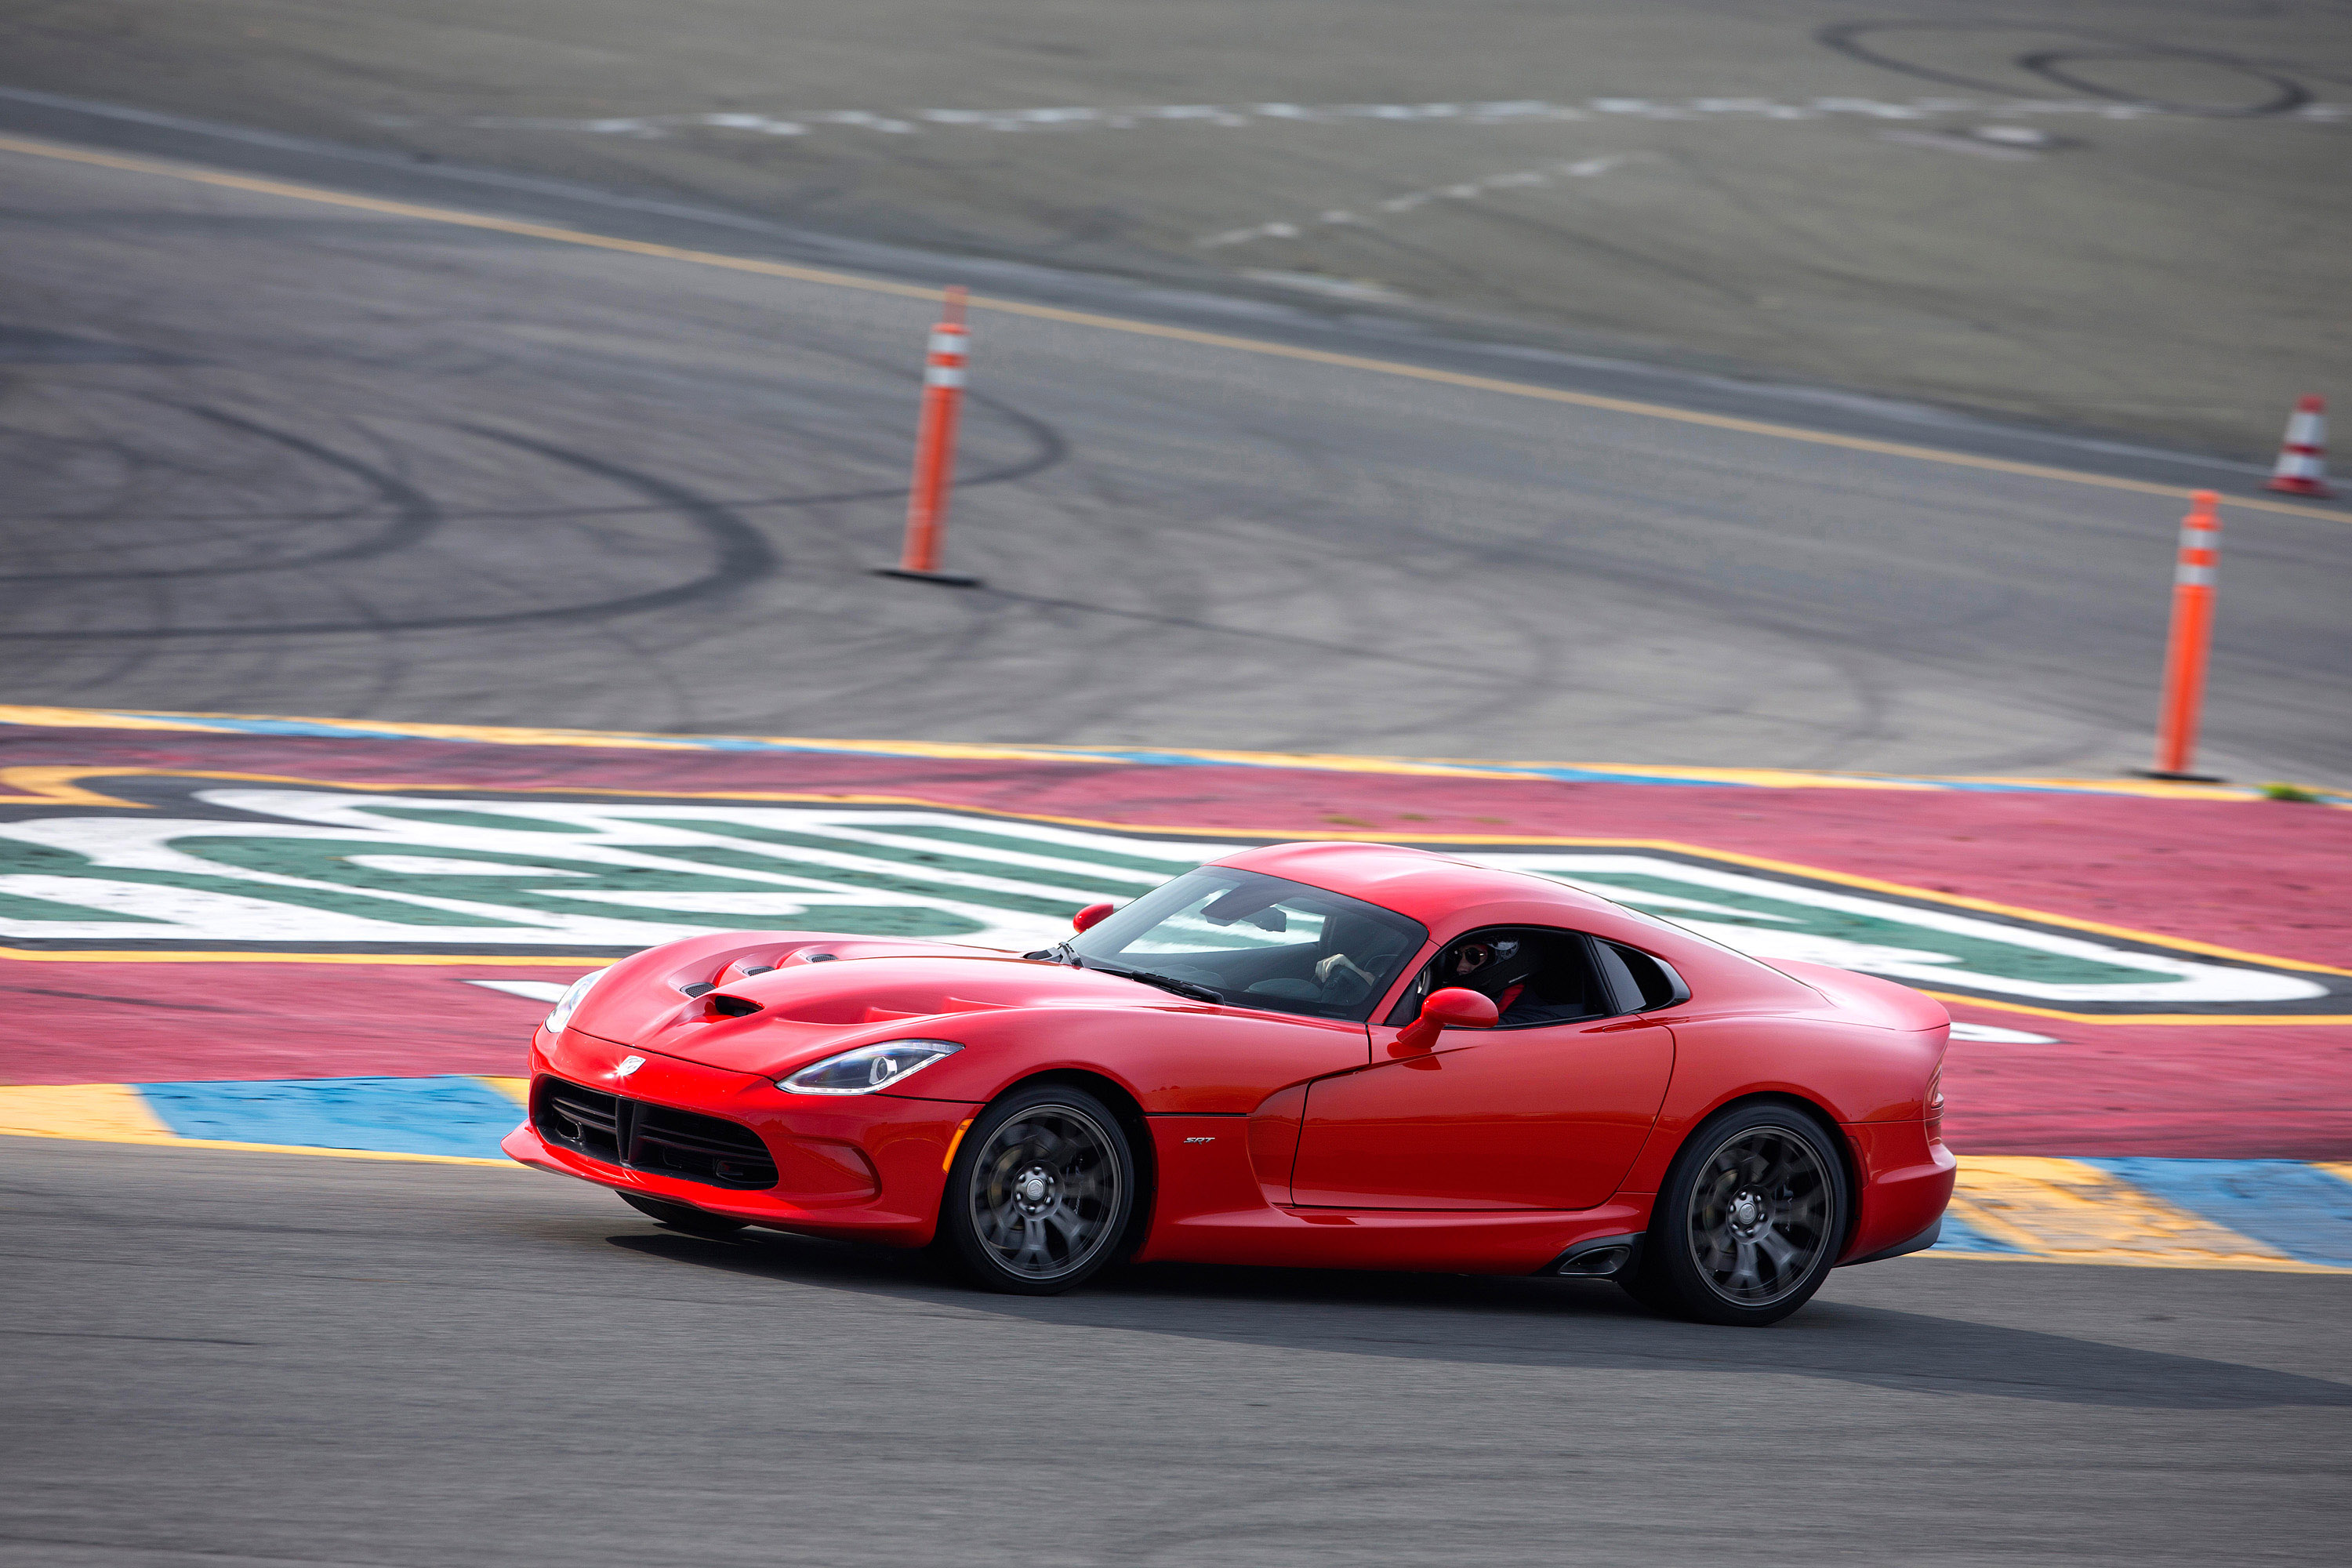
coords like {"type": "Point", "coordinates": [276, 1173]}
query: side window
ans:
{"type": "Point", "coordinates": [1535, 974]}
{"type": "Point", "coordinates": [1640, 981]}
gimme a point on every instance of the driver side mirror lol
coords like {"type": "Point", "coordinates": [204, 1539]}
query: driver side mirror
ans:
{"type": "Point", "coordinates": [1092, 915]}
{"type": "Point", "coordinates": [1453, 1007]}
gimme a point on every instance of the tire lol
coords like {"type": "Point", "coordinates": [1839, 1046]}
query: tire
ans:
{"type": "Point", "coordinates": [684, 1216]}
{"type": "Point", "coordinates": [1750, 1221]}
{"type": "Point", "coordinates": [1039, 1194]}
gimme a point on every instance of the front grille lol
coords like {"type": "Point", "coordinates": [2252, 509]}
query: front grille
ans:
{"type": "Point", "coordinates": [700, 1149]}
{"type": "Point", "coordinates": [642, 1137]}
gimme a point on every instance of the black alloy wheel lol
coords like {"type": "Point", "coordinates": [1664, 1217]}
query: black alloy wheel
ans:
{"type": "Point", "coordinates": [1040, 1191]}
{"type": "Point", "coordinates": [1751, 1220]}
{"type": "Point", "coordinates": [684, 1216]}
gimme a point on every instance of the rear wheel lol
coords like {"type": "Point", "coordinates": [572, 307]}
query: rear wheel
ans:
{"type": "Point", "coordinates": [1750, 1221]}
{"type": "Point", "coordinates": [684, 1216]}
{"type": "Point", "coordinates": [1040, 1191]}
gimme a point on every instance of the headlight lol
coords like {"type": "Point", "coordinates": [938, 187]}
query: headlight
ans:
{"type": "Point", "coordinates": [568, 1003]}
{"type": "Point", "coordinates": [868, 1068]}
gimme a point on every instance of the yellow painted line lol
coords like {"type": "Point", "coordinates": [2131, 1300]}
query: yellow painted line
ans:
{"type": "Point", "coordinates": [118, 1113]}
{"type": "Point", "coordinates": [46, 783]}
{"type": "Point", "coordinates": [2070, 1212]}
{"type": "Point", "coordinates": [265, 1148]}
{"type": "Point", "coordinates": [57, 787]}
{"type": "Point", "coordinates": [2211, 1020]}
{"type": "Point", "coordinates": [288, 190]}
{"type": "Point", "coordinates": [2337, 1168]}
{"type": "Point", "coordinates": [515, 1089]}
{"type": "Point", "coordinates": [110, 1113]}
{"type": "Point", "coordinates": [49, 784]}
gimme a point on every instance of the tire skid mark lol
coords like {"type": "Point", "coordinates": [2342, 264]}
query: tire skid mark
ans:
{"type": "Point", "coordinates": [2288, 96]}
{"type": "Point", "coordinates": [743, 556]}
{"type": "Point", "coordinates": [415, 517]}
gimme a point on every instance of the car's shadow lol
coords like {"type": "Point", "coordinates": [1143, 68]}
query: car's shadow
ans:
{"type": "Point", "coordinates": [1513, 1322]}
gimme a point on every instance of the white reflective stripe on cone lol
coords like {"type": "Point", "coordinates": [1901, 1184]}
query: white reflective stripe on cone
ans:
{"type": "Point", "coordinates": [2190, 577]}
{"type": "Point", "coordinates": [949, 342]}
{"type": "Point", "coordinates": [943, 375]}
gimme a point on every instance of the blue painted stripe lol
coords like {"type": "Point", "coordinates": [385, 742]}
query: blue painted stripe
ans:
{"type": "Point", "coordinates": [390, 1115]}
{"type": "Point", "coordinates": [1959, 1236]}
{"type": "Point", "coordinates": [2302, 1210]}
{"type": "Point", "coordinates": [284, 727]}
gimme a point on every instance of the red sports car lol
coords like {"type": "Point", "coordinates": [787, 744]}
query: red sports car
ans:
{"type": "Point", "coordinates": [1343, 1056]}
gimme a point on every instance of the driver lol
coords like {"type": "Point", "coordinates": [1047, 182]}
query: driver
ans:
{"type": "Point", "coordinates": [1492, 968]}
{"type": "Point", "coordinates": [1503, 970]}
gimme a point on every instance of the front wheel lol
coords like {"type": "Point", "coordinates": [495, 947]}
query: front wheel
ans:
{"type": "Point", "coordinates": [1039, 1193]}
{"type": "Point", "coordinates": [1750, 1221]}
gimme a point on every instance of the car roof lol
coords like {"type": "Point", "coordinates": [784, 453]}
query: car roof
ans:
{"type": "Point", "coordinates": [1427, 886]}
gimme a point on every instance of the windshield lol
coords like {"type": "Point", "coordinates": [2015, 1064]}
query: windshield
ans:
{"type": "Point", "coordinates": [1258, 942]}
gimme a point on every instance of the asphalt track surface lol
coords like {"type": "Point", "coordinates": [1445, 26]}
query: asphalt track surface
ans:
{"type": "Point", "coordinates": [227, 1359]}
{"type": "Point", "coordinates": [268, 454]}
{"type": "Point", "coordinates": [275, 453]}
{"type": "Point", "coordinates": [1810, 188]}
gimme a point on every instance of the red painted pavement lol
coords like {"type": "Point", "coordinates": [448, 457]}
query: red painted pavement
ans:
{"type": "Point", "coordinates": [2262, 876]}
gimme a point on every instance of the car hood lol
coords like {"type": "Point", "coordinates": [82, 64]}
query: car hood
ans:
{"type": "Point", "coordinates": [804, 1011]}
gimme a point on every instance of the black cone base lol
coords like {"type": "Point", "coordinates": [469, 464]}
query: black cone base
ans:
{"type": "Point", "coordinates": [944, 579]}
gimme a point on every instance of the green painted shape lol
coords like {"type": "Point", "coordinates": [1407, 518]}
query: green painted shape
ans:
{"type": "Point", "coordinates": [19, 906]}
{"type": "Point", "coordinates": [984, 840]}
{"type": "Point", "coordinates": [884, 920]}
{"type": "Point", "coordinates": [1977, 954]}
{"type": "Point", "coordinates": [914, 859]}
{"type": "Point", "coordinates": [324, 860]}
{"type": "Point", "coordinates": [478, 819]}
{"type": "Point", "coordinates": [18, 856]}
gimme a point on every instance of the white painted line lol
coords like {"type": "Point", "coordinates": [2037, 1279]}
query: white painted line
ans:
{"type": "Point", "coordinates": [1993, 1035]}
{"type": "Point", "coordinates": [1943, 143]}
{"type": "Point", "coordinates": [1465, 190]}
{"type": "Point", "coordinates": [1235, 116]}
{"type": "Point", "coordinates": [550, 990]}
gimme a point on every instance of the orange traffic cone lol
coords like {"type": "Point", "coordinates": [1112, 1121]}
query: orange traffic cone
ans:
{"type": "Point", "coordinates": [2303, 456]}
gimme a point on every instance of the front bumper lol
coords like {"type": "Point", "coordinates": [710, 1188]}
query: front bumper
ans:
{"type": "Point", "coordinates": [870, 1166]}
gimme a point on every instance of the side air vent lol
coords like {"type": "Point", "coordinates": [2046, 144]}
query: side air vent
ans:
{"type": "Point", "coordinates": [582, 1118]}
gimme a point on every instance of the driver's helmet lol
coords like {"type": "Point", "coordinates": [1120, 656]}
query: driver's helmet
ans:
{"type": "Point", "coordinates": [1488, 966]}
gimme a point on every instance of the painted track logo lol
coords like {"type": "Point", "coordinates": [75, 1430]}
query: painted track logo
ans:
{"type": "Point", "coordinates": [193, 865]}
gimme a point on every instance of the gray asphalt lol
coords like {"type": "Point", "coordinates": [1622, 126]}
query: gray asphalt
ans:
{"type": "Point", "coordinates": [223, 1359]}
{"type": "Point", "coordinates": [268, 455]}
{"type": "Point", "coordinates": [2169, 259]}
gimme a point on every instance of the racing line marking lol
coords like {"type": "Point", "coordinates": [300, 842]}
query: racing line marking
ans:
{"type": "Point", "coordinates": [456, 217]}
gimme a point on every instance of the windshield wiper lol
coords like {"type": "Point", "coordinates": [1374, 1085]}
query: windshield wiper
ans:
{"type": "Point", "coordinates": [1199, 993]}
